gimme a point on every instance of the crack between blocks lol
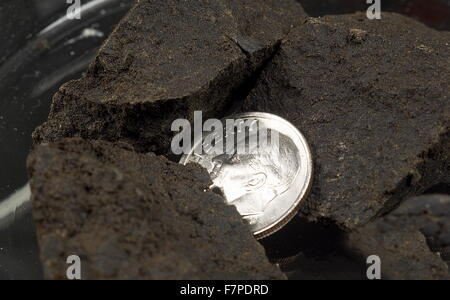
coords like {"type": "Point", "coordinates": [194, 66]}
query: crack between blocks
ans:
{"type": "Point", "coordinates": [250, 82]}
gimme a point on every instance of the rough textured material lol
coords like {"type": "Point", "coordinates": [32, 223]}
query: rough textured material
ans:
{"type": "Point", "coordinates": [412, 242]}
{"type": "Point", "coordinates": [431, 215]}
{"type": "Point", "coordinates": [373, 100]}
{"type": "Point", "coordinates": [398, 241]}
{"type": "Point", "coordinates": [165, 60]}
{"type": "Point", "coordinates": [136, 216]}
{"type": "Point", "coordinates": [434, 13]}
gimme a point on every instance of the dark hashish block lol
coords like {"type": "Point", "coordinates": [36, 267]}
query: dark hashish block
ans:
{"type": "Point", "coordinates": [373, 100]}
{"type": "Point", "coordinates": [430, 214]}
{"type": "Point", "coordinates": [403, 240]}
{"type": "Point", "coordinates": [136, 216]}
{"type": "Point", "coordinates": [165, 60]}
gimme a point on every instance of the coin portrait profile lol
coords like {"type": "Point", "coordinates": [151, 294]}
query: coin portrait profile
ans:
{"type": "Point", "coordinates": [268, 179]}
{"type": "Point", "coordinates": [252, 181]}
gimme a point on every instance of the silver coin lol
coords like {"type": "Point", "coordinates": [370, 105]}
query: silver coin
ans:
{"type": "Point", "coordinates": [264, 169]}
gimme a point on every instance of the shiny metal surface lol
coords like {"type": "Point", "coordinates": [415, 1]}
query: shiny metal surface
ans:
{"type": "Point", "coordinates": [267, 185]}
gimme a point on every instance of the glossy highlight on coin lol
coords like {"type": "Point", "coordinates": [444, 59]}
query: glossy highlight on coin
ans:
{"type": "Point", "coordinates": [270, 175]}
